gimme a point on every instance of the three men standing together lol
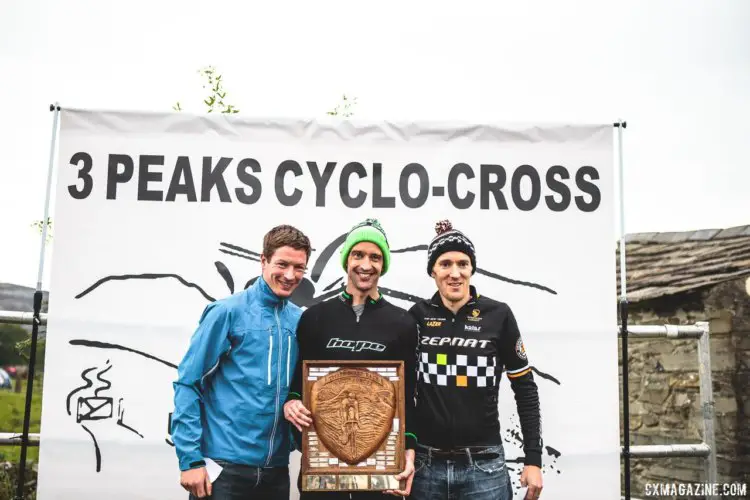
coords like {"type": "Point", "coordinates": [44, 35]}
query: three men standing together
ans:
{"type": "Point", "coordinates": [240, 380]}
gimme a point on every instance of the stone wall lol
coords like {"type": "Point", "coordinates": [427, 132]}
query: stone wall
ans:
{"type": "Point", "coordinates": [665, 405]}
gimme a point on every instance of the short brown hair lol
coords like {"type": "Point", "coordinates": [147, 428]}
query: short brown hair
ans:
{"type": "Point", "coordinates": [285, 236]}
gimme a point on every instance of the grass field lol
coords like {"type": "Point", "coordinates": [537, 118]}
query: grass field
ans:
{"type": "Point", "coordinates": [11, 420]}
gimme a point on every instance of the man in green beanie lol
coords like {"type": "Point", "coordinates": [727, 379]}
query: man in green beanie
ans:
{"type": "Point", "coordinates": [359, 325]}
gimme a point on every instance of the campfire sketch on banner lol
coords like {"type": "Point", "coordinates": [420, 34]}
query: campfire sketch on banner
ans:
{"type": "Point", "coordinates": [97, 407]}
{"type": "Point", "coordinates": [306, 295]}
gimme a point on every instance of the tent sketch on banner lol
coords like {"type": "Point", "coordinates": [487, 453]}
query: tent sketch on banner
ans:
{"type": "Point", "coordinates": [160, 214]}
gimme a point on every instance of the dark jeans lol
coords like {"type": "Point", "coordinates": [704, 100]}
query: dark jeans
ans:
{"type": "Point", "coordinates": [244, 482]}
{"type": "Point", "coordinates": [461, 477]}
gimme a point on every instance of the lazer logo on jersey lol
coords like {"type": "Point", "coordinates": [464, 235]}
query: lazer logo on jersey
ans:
{"type": "Point", "coordinates": [355, 345]}
{"type": "Point", "coordinates": [434, 323]}
{"type": "Point", "coordinates": [455, 341]}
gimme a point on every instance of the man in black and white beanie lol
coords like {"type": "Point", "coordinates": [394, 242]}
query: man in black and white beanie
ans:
{"type": "Point", "coordinates": [449, 240]}
{"type": "Point", "coordinates": [468, 343]}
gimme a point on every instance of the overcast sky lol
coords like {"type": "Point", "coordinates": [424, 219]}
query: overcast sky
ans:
{"type": "Point", "coordinates": [677, 71]}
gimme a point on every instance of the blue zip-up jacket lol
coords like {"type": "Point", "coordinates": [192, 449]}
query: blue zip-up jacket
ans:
{"type": "Point", "coordinates": [234, 380]}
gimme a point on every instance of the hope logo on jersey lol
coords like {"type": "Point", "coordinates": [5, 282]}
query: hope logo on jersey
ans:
{"type": "Point", "coordinates": [355, 345]}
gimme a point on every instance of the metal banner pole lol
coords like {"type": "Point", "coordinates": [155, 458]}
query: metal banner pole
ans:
{"type": "Point", "coordinates": [707, 397]}
{"type": "Point", "coordinates": [55, 108]}
{"type": "Point", "coordinates": [620, 125]}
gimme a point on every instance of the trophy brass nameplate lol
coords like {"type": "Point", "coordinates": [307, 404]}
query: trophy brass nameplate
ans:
{"type": "Point", "coordinates": [356, 441]}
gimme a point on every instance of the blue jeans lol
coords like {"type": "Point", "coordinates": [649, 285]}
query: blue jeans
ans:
{"type": "Point", "coordinates": [244, 482]}
{"type": "Point", "coordinates": [462, 476]}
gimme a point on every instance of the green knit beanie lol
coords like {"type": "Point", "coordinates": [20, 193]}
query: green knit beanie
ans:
{"type": "Point", "coordinates": [369, 230]}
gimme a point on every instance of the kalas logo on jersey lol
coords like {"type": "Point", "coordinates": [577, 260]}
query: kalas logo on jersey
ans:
{"type": "Point", "coordinates": [472, 328]}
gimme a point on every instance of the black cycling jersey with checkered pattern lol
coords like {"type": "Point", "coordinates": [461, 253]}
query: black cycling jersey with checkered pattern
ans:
{"type": "Point", "coordinates": [461, 361]}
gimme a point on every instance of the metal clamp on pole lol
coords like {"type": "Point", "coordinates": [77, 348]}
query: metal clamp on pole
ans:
{"type": "Point", "coordinates": [670, 450]}
{"type": "Point", "coordinates": [665, 331]}
{"type": "Point", "coordinates": [20, 318]}
{"type": "Point", "coordinates": [13, 439]}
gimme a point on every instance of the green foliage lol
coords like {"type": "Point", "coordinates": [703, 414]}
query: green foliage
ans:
{"type": "Point", "coordinates": [39, 226]}
{"type": "Point", "coordinates": [345, 108]}
{"type": "Point", "coordinates": [12, 407]}
{"type": "Point", "coordinates": [216, 99]}
{"type": "Point", "coordinates": [8, 475]}
{"type": "Point", "coordinates": [10, 338]}
{"type": "Point", "coordinates": [24, 349]}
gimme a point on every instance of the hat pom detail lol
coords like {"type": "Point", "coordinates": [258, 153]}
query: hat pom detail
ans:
{"type": "Point", "coordinates": [443, 226]}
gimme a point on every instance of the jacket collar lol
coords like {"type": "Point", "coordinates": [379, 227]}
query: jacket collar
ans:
{"type": "Point", "coordinates": [346, 297]}
{"type": "Point", "coordinates": [436, 301]}
{"type": "Point", "coordinates": [265, 295]}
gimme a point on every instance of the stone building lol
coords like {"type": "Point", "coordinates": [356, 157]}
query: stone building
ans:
{"type": "Point", "coordinates": [682, 278]}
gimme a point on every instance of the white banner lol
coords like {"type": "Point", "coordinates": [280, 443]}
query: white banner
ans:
{"type": "Point", "coordinates": [159, 214]}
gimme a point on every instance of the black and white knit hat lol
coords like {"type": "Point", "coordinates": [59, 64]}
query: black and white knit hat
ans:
{"type": "Point", "coordinates": [449, 240]}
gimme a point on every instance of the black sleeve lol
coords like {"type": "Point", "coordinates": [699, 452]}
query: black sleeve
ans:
{"type": "Point", "coordinates": [513, 355]}
{"type": "Point", "coordinates": [414, 313]}
{"type": "Point", "coordinates": [410, 381]}
{"type": "Point", "coordinates": [303, 342]}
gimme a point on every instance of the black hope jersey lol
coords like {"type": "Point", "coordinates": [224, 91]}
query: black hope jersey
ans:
{"type": "Point", "coordinates": [331, 331]}
{"type": "Point", "coordinates": [461, 360]}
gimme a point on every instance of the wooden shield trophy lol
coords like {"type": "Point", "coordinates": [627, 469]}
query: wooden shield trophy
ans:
{"type": "Point", "coordinates": [356, 441]}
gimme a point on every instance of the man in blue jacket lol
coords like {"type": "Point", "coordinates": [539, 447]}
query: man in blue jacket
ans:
{"type": "Point", "coordinates": [234, 379]}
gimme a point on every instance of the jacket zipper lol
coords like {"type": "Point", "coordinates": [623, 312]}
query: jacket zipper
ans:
{"type": "Point", "coordinates": [278, 391]}
{"type": "Point", "coordinates": [288, 356]}
{"type": "Point", "coordinates": [356, 316]}
{"type": "Point", "coordinates": [209, 372]}
{"type": "Point", "coordinates": [270, 354]}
